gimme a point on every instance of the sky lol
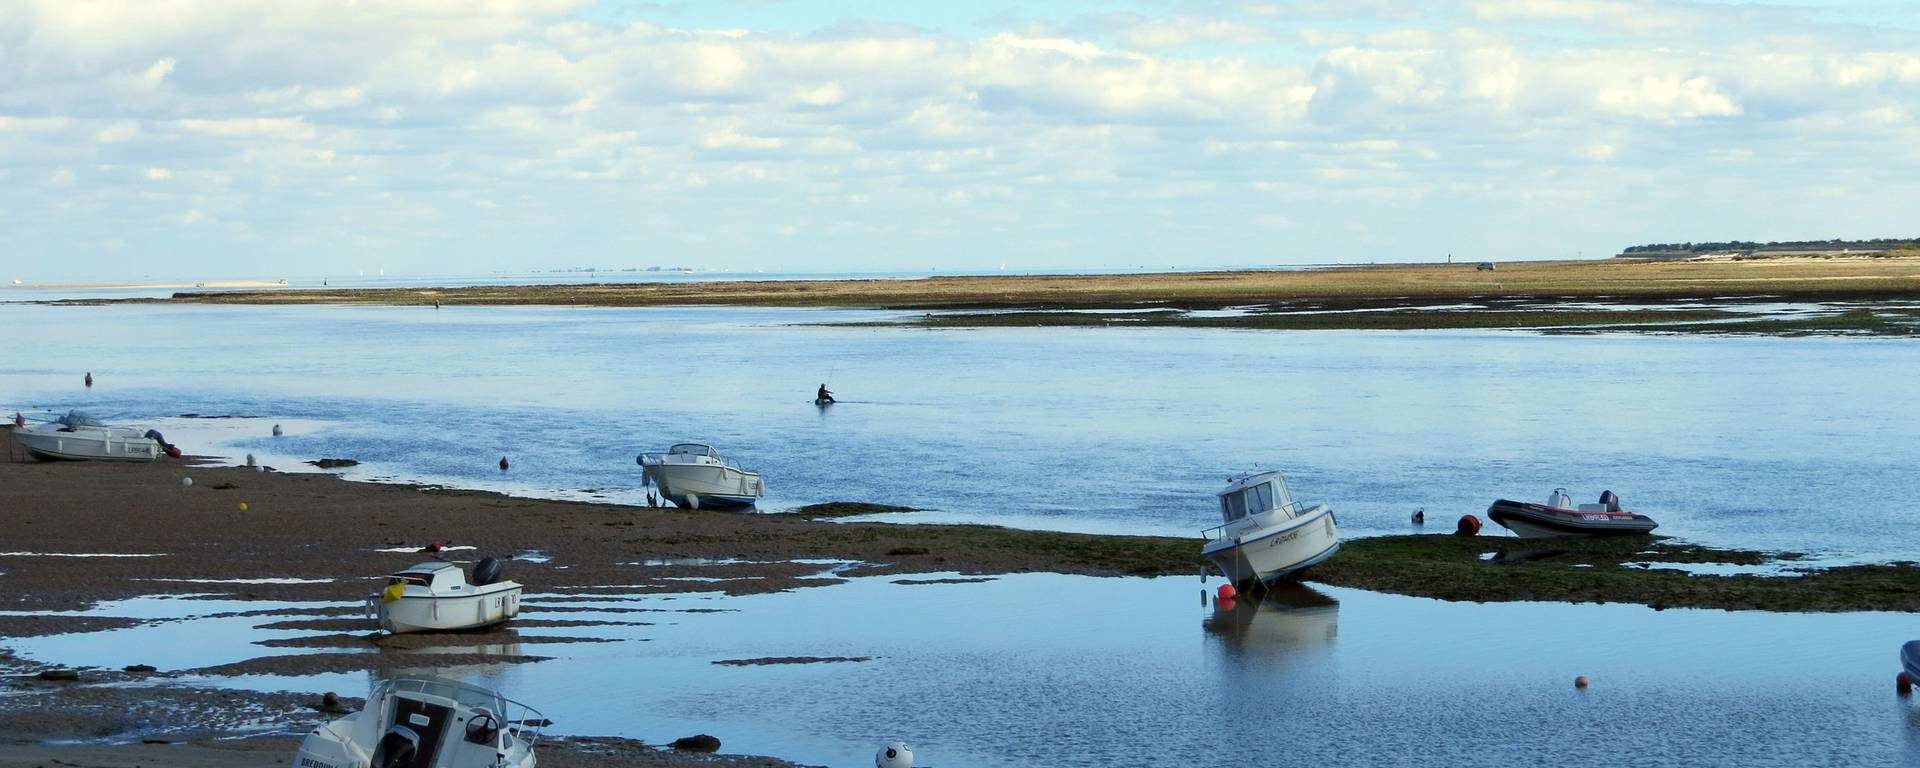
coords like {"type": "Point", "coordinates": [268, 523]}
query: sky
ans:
{"type": "Point", "coordinates": [262, 139]}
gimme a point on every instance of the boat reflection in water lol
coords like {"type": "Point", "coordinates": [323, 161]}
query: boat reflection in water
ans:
{"type": "Point", "coordinates": [1283, 618]}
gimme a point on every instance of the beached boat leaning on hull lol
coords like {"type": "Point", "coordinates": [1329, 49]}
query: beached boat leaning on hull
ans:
{"type": "Point", "coordinates": [1267, 536]}
{"type": "Point", "coordinates": [427, 722]}
{"type": "Point", "coordinates": [77, 437]}
{"type": "Point", "coordinates": [694, 476]}
{"type": "Point", "coordinates": [1910, 659]}
{"type": "Point", "coordinates": [435, 597]}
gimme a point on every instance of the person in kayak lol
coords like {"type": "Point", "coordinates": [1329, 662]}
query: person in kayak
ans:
{"type": "Point", "coordinates": [823, 396]}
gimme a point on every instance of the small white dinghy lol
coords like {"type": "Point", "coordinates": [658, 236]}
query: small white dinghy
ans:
{"type": "Point", "coordinates": [435, 597]}
{"type": "Point", "coordinates": [427, 722]}
{"type": "Point", "coordinates": [79, 437]}
{"type": "Point", "coordinates": [1265, 535]}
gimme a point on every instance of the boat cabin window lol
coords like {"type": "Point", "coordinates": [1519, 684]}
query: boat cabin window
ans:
{"type": "Point", "coordinates": [1233, 506]}
{"type": "Point", "coordinates": [422, 579]}
{"type": "Point", "coordinates": [1259, 498]}
{"type": "Point", "coordinates": [695, 449]}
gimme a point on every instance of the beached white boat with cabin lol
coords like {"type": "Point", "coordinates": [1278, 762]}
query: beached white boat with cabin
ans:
{"type": "Point", "coordinates": [1265, 536]}
{"type": "Point", "coordinates": [436, 597]}
{"type": "Point", "coordinates": [695, 476]}
{"type": "Point", "coordinates": [79, 437]}
{"type": "Point", "coordinates": [427, 722]}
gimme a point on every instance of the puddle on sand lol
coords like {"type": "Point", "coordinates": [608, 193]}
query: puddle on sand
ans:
{"type": "Point", "coordinates": [1786, 570]}
{"type": "Point", "coordinates": [288, 580]}
{"type": "Point", "coordinates": [1011, 672]}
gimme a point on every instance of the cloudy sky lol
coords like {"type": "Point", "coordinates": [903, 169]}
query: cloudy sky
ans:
{"type": "Point", "coordinates": [232, 138]}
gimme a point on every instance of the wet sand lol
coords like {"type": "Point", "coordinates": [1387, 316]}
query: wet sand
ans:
{"type": "Point", "coordinates": [81, 533]}
{"type": "Point", "coordinates": [279, 750]}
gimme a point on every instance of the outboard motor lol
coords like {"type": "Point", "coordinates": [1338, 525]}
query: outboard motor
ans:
{"type": "Point", "coordinates": [171, 449]}
{"type": "Point", "coordinates": [488, 571]}
{"type": "Point", "coordinates": [397, 748]}
{"type": "Point", "coordinates": [1611, 501]}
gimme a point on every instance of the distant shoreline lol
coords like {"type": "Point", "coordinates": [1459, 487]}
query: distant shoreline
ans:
{"type": "Point", "coordinates": [145, 286]}
{"type": "Point", "coordinates": [1613, 279]}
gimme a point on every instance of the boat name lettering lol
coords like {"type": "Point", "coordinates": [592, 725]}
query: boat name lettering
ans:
{"type": "Point", "coordinates": [308, 762]}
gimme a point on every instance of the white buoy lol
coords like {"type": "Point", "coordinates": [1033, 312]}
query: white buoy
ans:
{"type": "Point", "coordinates": [276, 430]}
{"type": "Point", "coordinates": [693, 501]}
{"type": "Point", "coordinates": [186, 481]}
{"type": "Point", "coordinates": [895, 755]}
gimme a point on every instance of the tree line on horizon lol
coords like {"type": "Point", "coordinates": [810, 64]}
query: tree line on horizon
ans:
{"type": "Point", "coordinates": [1885, 243]}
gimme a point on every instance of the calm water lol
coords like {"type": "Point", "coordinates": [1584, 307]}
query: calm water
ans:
{"type": "Point", "coordinates": [1764, 442]}
{"type": "Point", "coordinates": [1049, 670]}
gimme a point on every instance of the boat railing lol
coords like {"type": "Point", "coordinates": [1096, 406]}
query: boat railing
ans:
{"type": "Point", "coordinates": [1291, 508]}
{"type": "Point", "coordinates": [519, 719]}
{"type": "Point", "coordinates": [657, 459]}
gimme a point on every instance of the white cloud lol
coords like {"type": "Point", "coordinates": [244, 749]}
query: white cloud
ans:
{"type": "Point", "coordinates": [367, 120]}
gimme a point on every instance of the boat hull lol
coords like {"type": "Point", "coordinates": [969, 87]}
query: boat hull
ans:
{"type": "Point", "coordinates": [1538, 521]}
{"type": "Point", "coordinates": [1910, 659]}
{"type": "Point", "coordinates": [704, 486]}
{"type": "Point", "coordinates": [88, 445]}
{"type": "Point", "coordinates": [488, 605]}
{"type": "Point", "coordinates": [1276, 553]}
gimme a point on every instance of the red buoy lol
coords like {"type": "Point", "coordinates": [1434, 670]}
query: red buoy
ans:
{"type": "Point", "coordinates": [1904, 684]}
{"type": "Point", "coordinates": [1226, 592]}
{"type": "Point", "coordinates": [503, 463]}
{"type": "Point", "coordinates": [1580, 682]}
{"type": "Point", "coordinates": [1469, 526]}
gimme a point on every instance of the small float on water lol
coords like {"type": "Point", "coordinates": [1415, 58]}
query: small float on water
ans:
{"type": "Point", "coordinates": [1265, 535]}
{"type": "Point", "coordinates": [1560, 517]}
{"type": "Point", "coordinates": [695, 476]}
{"type": "Point", "coordinates": [79, 437]}
{"type": "Point", "coordinates": [435, 597]}
{"type": "Point", "coordinates": [427, 722]}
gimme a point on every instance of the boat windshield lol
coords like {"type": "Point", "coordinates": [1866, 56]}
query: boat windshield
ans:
{"type": "Point", "coordinates": [1262, 497]}
{"type": "Point", "coordinates": [694, 449]}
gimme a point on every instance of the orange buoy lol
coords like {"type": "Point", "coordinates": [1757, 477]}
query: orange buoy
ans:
{"type": "Point", "coordinates": [1904, 684]}
{"type": "Point", "coordinates": [1224, 604]}
{"type": "Point", "coordinates": [1580, 682]}
{"type": "Point", "coordinates": [1469, 526]}
{"type": "Point", "coordinates": [503, 463]}
{"type": "Point", "coordinates": [1227, 592]}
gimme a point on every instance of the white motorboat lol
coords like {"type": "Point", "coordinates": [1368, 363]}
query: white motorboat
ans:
{"type": "Point", "coordinates": [694, 476]}
{"type": "Point", "coordinates": [435, 597]}
{"type": "Point", "coordinates": [427, 722]}
{"type": "Point", "coordinates": [1266, 536]}
{"type": "Point", "coordinates": [79, 437]}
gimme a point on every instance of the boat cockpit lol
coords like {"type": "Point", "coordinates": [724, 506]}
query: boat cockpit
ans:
{"type": "Point", "coordinates": [1259, 494]}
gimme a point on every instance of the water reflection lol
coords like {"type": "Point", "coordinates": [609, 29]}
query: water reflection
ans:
{"type": "Point", "coordinates": [1281, 619]}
